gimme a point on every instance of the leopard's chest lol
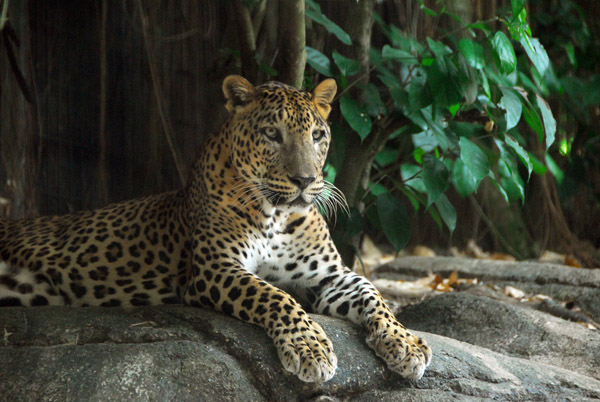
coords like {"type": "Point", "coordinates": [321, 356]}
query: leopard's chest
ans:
{"type": "Point", "coordinates": [273, 255]}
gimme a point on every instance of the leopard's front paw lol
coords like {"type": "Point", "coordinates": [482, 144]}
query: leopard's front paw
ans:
{"type": "Point", "coordinates": [306, 351]}
{"type": "Point", "coordinates": [403, 352]}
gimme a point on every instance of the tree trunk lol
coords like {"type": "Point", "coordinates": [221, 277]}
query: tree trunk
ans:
{"type": "Point", "coordinates": [292, 42]}
{"type": "Point", "coordinates": [247, 40]}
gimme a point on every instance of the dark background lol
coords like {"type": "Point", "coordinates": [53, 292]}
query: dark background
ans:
{"type": "Point", "coordinates": [112, 108]}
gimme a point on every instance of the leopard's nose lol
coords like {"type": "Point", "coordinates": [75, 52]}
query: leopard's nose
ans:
{"type": "Point", "coordinates": [302, 181]}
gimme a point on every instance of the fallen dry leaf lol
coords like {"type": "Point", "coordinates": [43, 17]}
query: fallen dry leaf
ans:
{"type": "Point", "coordinates": [423, 251]}
{"type": "Point", "coordinates": [514, 292]}
{"type": "Point", "coordinates": [537, 298]}
{"type": "Point", "coordinates": [552, 257]}
{"type": "Point", "coordinates": [572, 262]}
{"type": "Point", "coordinates": [427, 285]}
{"type": "Point", "coordinates": [502, 257]}
{"type": "Point", "coordinates": [474, 250]}
{"type": "Point", "coordinates": [412, 289]}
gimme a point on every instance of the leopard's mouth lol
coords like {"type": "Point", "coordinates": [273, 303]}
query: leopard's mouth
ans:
{"type": "Point", "coordinates": [280, 199]}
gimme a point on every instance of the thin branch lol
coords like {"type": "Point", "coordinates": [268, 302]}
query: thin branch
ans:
{"type": "Point", "coordinates": [8, 35]}
{"type": "Point", "coordinates": [181, 36]}
{"type": "Point", "coordinates": [3, 16]}
{"type": "Point", "coordinates": [356, 81]}
{"type": "Point", "coordinates": [454, 31]}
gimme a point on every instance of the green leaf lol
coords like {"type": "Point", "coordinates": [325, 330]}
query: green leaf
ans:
{"type": "Point", "coordinates": [418, 92]}
{"type": "Point", "coordinates": [438, 48]}
{"type": "Point", "coordinates": [510, 180]}
{"type": "Point", "coordinates": [313, 11]}
{"type": "Point", "coordinates": [570, 50]}
{"type": "Point", "coordinates": [318, 61]}
{"type": "Point", "coordinates": [397, 92]}
{"type": "Point", "coordinates": [467, 80]}
{"type": "Point", "coordinates": [533, 120]}
{"type": "Point", "coordinates": [473, 52]}
{"type": "Point", "coordinates": [373, 102]}
{"type": "Point", "coordinates": [399, 38]}
{"type": "Point", "coordinates": [400, 131]}
{"type": "Point", "coordinates": [329, 172]}
{"type": "Point", "coordinates": [356, 116]}
{"type": "Point", "coordinates": [464, 182]}
{"type": "Point", "coordinates": [505, 53]}
{"type": "Point", "coordinates": [435, 125]}
{"type": "Point", "coordinates": [483, 26]}
{"type": "Point", "coordinates": [428, 11]}
{"type": "Point", "coordinates": [521, 153]}
{"type": "Point", "coordinates": [511, 103]}
{"type": "Point", "coordinates": [548, 120]}
{"type": "Point", "coordinates": [394, 220]}
{"type": "Point", "coordinates": [418, 155]}
{"type": "Point", "coordinates": [536, 53]}
{"type": "Point", "coordinates": [442, 79]}
{"type": "Point", "coordinates": [454, 109]}
{"type": "Point", "coordinates": [389, 81]}
{"type": "Point", "coordinates": [447, 212]}
{"type": "Point", "coordinates": [337, 149]}
{"type": "Point", "coordinates": [347, 66]}
{"type": "Point", "coordinates": [538, 167]}
{"type": "Point", "coordinates": [404, 56]}
{"type": "Point", "coordinates": [350, 225]}
{"type": "Point", "coordinates": [435, 177]}
{"type": "Point", "coordinates": [553, 167]}
{"type": "Point", "coordinates": [517, 6]}
{"type": "Point", "coordinates": [485, 84]}
{"type": "Point", "coordinates": [499, 187]}
{"type": "Point", "coordinates": [474, 159]}
{"type": "Point", "coordinates": [386, 156]}
{"type": "Point", "coordinates": [427, 61]}
{"type": "Point", "coordinates": [377, 189]}
{"type": "Point", "coordinates": [509, 173]}
{"type": "Point", "coordinates": [412, 175]}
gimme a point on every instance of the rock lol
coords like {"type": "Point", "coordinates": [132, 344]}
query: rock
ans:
{"type": "Point", "coordinates": [557, 281]}
{"type": "Point", "coordinates": [486, 346]}
{"type": "Point", "coordinates": [509, 329]}
{"type": "Point", "coordinates": [183, 353]}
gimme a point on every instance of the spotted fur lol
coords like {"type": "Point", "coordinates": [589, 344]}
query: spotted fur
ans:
{"type": "Point", "coordinates": [246, 226]}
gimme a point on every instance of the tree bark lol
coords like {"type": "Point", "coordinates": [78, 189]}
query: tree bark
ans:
{"type": "Point", "coordinates": [247, 40]}
{"type": "Point", "coordinates": [292, 42]}
{"type": "Point", "coordinates": [266, 37]}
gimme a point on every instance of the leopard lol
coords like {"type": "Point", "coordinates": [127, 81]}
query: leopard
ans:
{"type": "Point", "coordinates": [245, 231]}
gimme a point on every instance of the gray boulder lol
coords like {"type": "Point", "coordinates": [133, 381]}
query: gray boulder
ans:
{"type": "Point", "coordinates": [500, 351]}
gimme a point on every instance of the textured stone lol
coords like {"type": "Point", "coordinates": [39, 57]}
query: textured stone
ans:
{"type": "Point", "coordinates": [183, 353]}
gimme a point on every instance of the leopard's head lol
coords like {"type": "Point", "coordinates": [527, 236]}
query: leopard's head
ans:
{"type": "Point", "coordinates": [280, 139]}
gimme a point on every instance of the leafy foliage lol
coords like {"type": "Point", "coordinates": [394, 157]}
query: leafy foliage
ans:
{"type": "Point", "coordinates": [463, 106]}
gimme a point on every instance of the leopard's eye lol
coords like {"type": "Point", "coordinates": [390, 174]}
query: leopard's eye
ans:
{"type": "Point", "coordinates": [272, 134]}
{"type": "Point", "coordinates": [318, 134]}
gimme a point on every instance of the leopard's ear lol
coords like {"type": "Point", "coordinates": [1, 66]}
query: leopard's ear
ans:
{"type": "Point", "coordinates": [238, 92]}
{"type": "Point", "coordinates": [323, 95]}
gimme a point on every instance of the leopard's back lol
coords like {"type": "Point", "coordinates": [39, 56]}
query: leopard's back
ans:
{"type": "Point", "coordinates": [124, 254]}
